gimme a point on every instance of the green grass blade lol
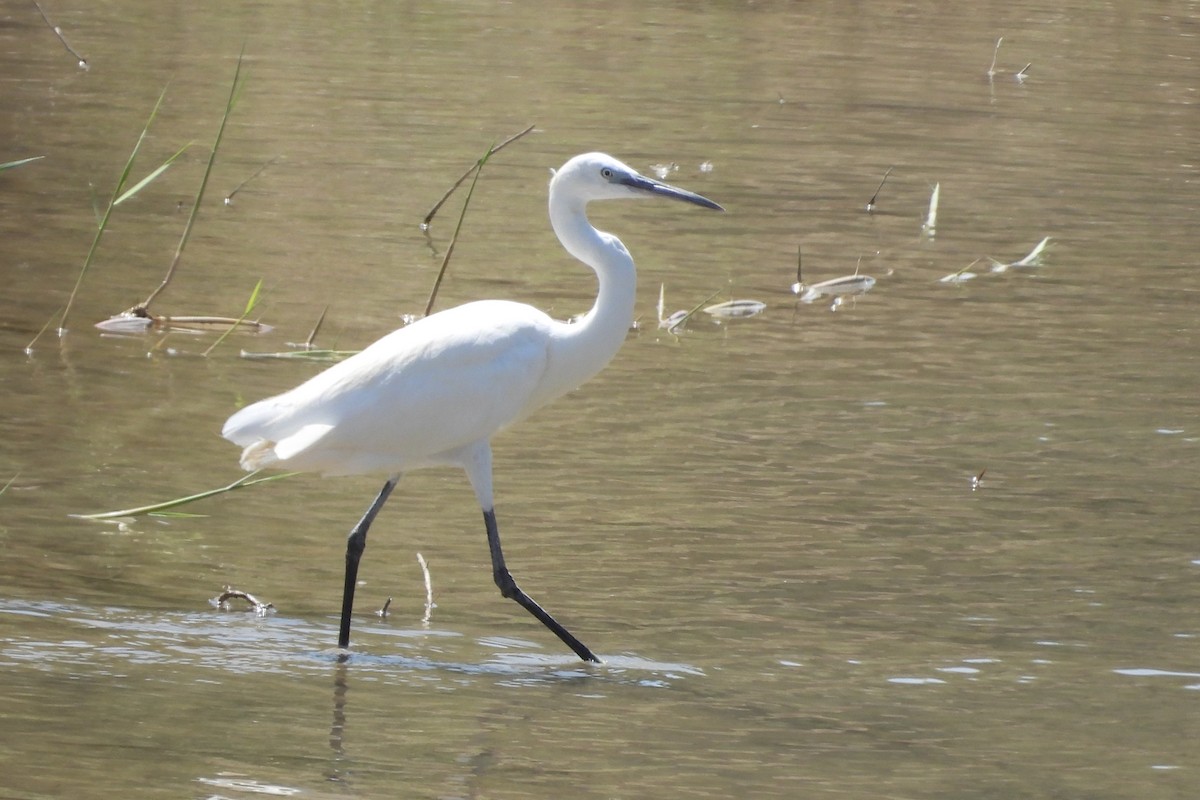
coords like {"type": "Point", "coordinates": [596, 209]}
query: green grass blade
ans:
{"type": "Point", "coordinates": [250, 306]}
{"type": "Point", "coordinates": [235, 91]}
{"type": "Point", "coordinates": [155, 508]}
{"type": "Point", "coordinates": [12, 164]}
{"type": "Point", "coordinates": [87, 262]}
{"type": "Point", "coordinates": [146, 181]}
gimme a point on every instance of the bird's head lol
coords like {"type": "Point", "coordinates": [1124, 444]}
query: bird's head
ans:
{"type": "Point", "coordinates": [596, 176]}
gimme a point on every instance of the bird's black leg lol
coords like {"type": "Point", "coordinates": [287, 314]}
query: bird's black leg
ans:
{"type": "Point", "coordinates": [355, 544]}
{"type": "Point", "coordinates": [509, 588]}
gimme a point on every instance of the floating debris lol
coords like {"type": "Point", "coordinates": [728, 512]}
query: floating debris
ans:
{"type": "Point", "coordinates": [672, 322]}
{"type": "Point", "coordinates": [977, 480]}
{"type": "Point", "coordinates": [1034, 259]}
{"type": "Point", "coordinates": [962, 276]}
{"type": "Point", "coordinates": [736, 309]}
{"type": "Point", "coordinates": [706, 166]}
{"type": "Point", "coordinates": [929, 227]}
{"type": "Point", "coordinates": [991, 73]}
{"type": "Point", "coordinates": [837, 288]}
{"type": "Point", "coordinates": [138, 320]}
{"type": "Point", "coordinates": [260, 608]}
{"type": "Point", "coordinates": [300, 355]}
{"type": "Point", "coordinates": [677, 321]}
{"type": "Point", "coordinates": [429, 604]}
{"type": "Point", "coordinates": [663, 170]}
{"type": "Point", "coordinates": [1019, 76]}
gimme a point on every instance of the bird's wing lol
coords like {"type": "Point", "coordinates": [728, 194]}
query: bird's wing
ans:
{"type": "Point", "coordinates": [450, 379]}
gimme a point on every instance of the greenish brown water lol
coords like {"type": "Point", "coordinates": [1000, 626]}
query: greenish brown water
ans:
{"type": "Point", "coordinates": [766, 527]}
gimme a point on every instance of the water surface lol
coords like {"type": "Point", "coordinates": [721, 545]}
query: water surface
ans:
{"type": "Point", "coordinates": [767, 527]}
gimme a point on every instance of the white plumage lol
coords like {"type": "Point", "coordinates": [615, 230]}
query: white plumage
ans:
{"type": "Point", "coordinates": [433, 393]}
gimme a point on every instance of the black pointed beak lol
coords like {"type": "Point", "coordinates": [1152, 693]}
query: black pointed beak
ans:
{"type": "Point", "coordinates": [660, 189]}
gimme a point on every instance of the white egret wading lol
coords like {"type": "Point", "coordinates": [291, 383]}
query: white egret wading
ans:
{"type": "Point", "coordinates": [433, 393]}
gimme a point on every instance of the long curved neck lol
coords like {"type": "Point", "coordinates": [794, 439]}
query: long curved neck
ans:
{"type": "Point", "coordinates": [583, 348]}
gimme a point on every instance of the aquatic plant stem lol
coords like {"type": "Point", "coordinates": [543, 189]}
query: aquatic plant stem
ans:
{"type": "Point", "coordinates": [429, 217]}
{"type": "Point", "coordinates": [437, 282]}
{"type": "Point", "coordinates": [234, 92]}
{"type": "Point", "coordinates": [153, 508]}
{"type": "Point", "coordinates": [250, 305]}
{"type": "Point", "coordinates": [83, 63]}
{"type": "Point", "coordinates": [100, 228]}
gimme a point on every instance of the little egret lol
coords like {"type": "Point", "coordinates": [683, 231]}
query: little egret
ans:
{"type": "Point", "coordinates": [433, 393]}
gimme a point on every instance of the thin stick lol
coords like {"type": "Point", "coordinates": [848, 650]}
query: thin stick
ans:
{"type": "Point", "coordinates": [871, 202]}
{"type": "Point", "coordinates": [302, 355]}
{"type": "Point", "coordinates": [991, 73]}
{"type": "Point", "coordinates": [257, 172]}
{"type": "Point", "coordinates": [450, 248]}
{"type": "Point", "coordinates": [429, 217]}
{"type": "Point", "coordinates": [383, 612]}
{"type": "Point", "coordinates": [206, 319]}
{"type": "Point", "coordinates": [246, 480]}
{"type": "Point", "coordinates": [312, 337]}
{"type": "Point", "coordinates": [83, 64]}
{"type": "Point", "coordinates": [234, 90]}
{"type": "Point", "coordinates": [683, 321]}
{"type": "Point", "coordinates": [428, 589]}
{"type": "Point", "coordinates": [29, 347]}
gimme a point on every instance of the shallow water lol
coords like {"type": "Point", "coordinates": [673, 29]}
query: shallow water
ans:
{"type": "Point", "coordinates": [766, 527]}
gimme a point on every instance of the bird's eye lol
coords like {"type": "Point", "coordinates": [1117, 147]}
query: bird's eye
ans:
{"type": "Point", "coordinates": [606, 173]}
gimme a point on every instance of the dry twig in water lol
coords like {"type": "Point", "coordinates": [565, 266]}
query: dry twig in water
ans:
{"type": "Point", "coordinates": [221, 601]}
{"type": "Point", "coordinates": [234, 91]}
{"type": "Point", "coordinates": [83, 64]}
{"type": "Point", "coordinates": [257, 172]}
{"type": "Point", "coordinates": [871, 202]}
{"type": "Point", "coordinates": [425, 223]}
